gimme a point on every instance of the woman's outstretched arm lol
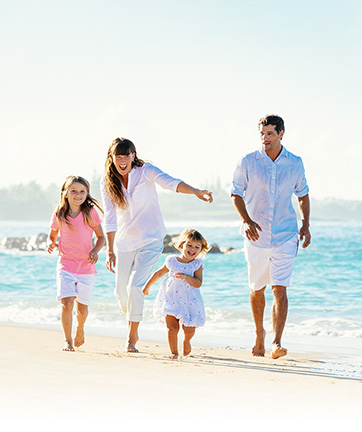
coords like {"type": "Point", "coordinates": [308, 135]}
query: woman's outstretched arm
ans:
{"type": "Point", "coordinates": [202, 194]}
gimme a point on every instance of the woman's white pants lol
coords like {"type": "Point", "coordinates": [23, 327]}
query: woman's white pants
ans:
{"type": "Point", "coordinates": [133, 269]}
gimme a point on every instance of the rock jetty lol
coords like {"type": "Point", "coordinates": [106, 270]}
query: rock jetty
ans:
{"type": "Point", "coordinates": [39, 243]}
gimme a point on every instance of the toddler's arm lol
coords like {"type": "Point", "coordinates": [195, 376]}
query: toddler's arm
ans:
{"type": "Point", "coordinates": [157, 275]}
{"type": "Point", "coordinates": [52, 240]}
{"type": "Point", "coordinates": [195, 280]}
{"type": "Point", "coordinates": [93, 254]}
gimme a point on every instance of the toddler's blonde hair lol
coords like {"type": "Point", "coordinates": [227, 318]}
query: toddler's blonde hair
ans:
{"type": "Point", "coordinates": [193, 235]}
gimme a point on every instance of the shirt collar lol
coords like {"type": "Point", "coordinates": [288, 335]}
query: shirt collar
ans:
{"type": "Point", "coordinates": [262, 154]}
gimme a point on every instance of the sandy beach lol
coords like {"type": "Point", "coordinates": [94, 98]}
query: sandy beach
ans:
{"type": "Point", "coordinates": [100, 384]}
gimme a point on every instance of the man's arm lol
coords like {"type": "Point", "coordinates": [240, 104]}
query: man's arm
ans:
{"type": "Point", "coordinates": [304, 208]}
{"type": "Point", "coordinates": [251, 227]}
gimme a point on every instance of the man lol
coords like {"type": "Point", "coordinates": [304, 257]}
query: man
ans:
{"type": "Point", "coordinates": [263, 185]}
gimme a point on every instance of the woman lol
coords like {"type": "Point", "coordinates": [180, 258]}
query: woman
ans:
{"type": "Point", "coordinates": [134, 225]}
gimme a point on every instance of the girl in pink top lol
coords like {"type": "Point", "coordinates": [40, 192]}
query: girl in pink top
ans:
{"type": "Point", "coordinates": [75, 219]}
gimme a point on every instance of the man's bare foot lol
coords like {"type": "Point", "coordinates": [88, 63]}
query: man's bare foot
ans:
{"type": "Point", "coordinates": [186, 349]}
{"type": "Point", "coordinates": [278, 351]}
{"type": "Point", "coordinates": [258, 349]}
{"type": "Point", "coordinates": [68, 346]}
{"type": "Point", "coordinates": [173, 356]}
{"type": "Point", "coordinates": [131, 348]}
{"type": "Point", "coordinates": [79, 337]}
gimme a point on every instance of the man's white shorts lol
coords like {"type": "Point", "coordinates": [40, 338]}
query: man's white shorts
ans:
{"type": "Point", "coordinates": [270, 265]}
{"type": "Point", "coordinates": [75, 285]}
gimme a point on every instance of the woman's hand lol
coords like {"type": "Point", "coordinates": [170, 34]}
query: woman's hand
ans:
{"type": "Point", "coordinates": [111, 262]}
{"type": "Point", "coordinates": [204, 195]}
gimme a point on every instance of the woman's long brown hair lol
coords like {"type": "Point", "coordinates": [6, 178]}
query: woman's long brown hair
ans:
{"type": "Point", "coordinates": [62, 211]}
{"type": "Point", "coordinates": [114, 180]}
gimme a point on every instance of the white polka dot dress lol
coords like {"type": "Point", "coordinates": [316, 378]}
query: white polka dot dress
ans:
{"type": "Point", "coordinates": [178, 298]}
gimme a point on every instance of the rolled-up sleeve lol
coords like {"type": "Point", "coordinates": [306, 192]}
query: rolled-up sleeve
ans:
{"type": "Point", "coordinates": [239, 183]}
{"type": "Point", "coordinates": [110, 212]}
{"type": "Point", "coordinates": [301, 187]}
{"type": "Point", "coordinates": [155, 175]}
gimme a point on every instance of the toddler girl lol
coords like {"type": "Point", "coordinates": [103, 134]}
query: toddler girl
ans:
{"type": "Point", "coordinates": [75, 219]}
{"type": "Point", "coordinates": [179, 299]}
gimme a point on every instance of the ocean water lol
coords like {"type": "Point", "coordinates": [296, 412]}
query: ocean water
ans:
{"type": "Point", "coordinates": [325, 297]}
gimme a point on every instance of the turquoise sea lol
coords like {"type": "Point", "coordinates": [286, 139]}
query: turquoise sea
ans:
{"type": "Point", "coordinates": [325, 299]}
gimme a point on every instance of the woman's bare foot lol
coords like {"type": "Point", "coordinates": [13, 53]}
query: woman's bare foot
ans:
{"type": "Point", "coordinates": [79, 337]}
{"type": "Point", "coordinates": [68, 346]}
{"type": "Point", "coordinates": [131, 348]}
{"type": "Point", "coordinates": [278, 351]}
{"type": "Point", "coordinates": [186, 348]}
{"type": "Point", "coordinates": [258, 349]}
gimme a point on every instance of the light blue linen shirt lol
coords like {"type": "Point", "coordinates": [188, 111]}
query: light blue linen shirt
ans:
{"type": "Point", "coordinates": [267, 188]}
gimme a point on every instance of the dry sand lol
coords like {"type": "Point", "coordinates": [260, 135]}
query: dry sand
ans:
{"type": "Point", "coordinates": [99, 385]}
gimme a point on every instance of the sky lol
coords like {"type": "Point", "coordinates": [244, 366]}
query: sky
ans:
{"type": "Point", "coordinates": [187, 81]}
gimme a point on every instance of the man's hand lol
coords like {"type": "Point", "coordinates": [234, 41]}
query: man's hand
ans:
{"type": "Point", "coordinates": [305, 234]}
{"type": "Point", "coordinates": [251, 230]}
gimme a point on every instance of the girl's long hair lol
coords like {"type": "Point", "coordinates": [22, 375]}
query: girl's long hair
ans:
{"type": "Point", "coordinates": [114, 180]}
{"type": "Point", "coordinates": [62, 211]}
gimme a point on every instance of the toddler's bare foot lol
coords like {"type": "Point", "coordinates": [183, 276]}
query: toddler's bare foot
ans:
{"type": "Point", "coordinates": [79, 337]}
{"type": "Point", "coordinates": [173, 356]}
{"type": "Point", "coordinates": [186, 348]}
{"type": "Point", "coordinates": [258, 349]}
{"type": "Point", "coordinates": [68, 346]}
{"type": "Point", "coordinates": [131, 348]}
{"type": "Point", "coordinates": [278, 351]}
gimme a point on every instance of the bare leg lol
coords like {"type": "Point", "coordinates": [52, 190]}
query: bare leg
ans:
{"type": "Point", "coordinates": [66, 317]}
{"type": "Point", "coordinates": [257, 301]}
{"type": "Point", "coordinates": [279, 317]}
{"type": "Point", "coordinates": [132, 336]}
{"type": "Point", "coordinates": [173, 327]}
{"type": "Point", "coordinates": [189, 333]}
{"type": "Point", "coordinates": [82, 313]}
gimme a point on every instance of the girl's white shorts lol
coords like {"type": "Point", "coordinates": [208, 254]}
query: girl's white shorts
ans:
{"type": "Point", "coordinates": [270, 265]}
{"type": "Point", "coordinates": [75, 285]}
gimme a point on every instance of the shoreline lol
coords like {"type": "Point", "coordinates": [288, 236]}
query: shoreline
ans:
{"type": "Point", "coordinates": [318, 346]}
{"type": "Point", "coordinates": [99, 382]}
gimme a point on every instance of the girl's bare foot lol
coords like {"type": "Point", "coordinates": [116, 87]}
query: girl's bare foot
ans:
{"type": "Point", "coordinates": [68, 346]}
{"type": "Point", "coordinates": [79, 337]}
{"type": "Point", "coordinates": [131, 348]}
{"type": "Point", "coordinates": [258, 349]}
{"type": "Point", "coordinates": [186, 348]}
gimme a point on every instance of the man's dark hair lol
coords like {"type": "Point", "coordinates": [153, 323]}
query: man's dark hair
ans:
{"type": "Point", "coordinates": [273, 120]}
